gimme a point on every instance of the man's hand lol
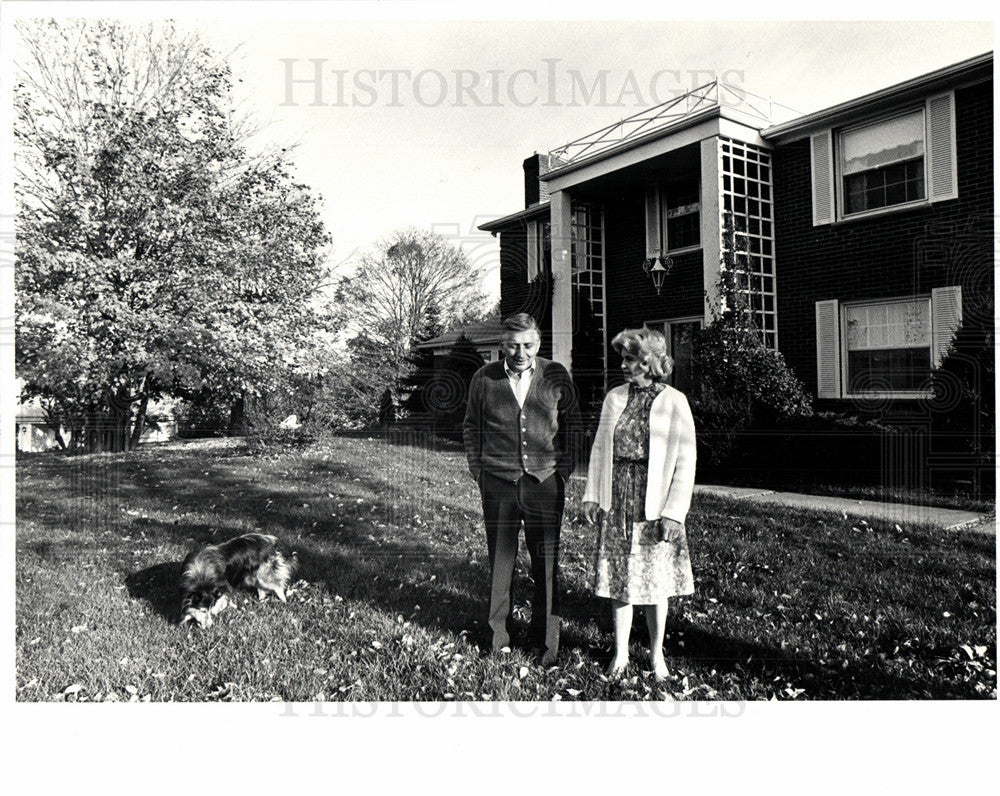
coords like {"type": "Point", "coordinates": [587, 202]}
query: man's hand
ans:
{"type": "Point", "coordinates": [590, 513]}
{"type": "Point", "coordinates": [670, 530]}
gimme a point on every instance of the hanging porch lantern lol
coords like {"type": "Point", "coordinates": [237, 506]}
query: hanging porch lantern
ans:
{"type": "Point", "coordinates": [658, 268]}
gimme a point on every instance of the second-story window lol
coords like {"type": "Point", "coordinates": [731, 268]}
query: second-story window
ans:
{"type": "Point", "coordinates": [883, 164]}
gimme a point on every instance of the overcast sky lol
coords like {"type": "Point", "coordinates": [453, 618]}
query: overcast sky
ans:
{"type": "Point", "coordinates": [427, 122]}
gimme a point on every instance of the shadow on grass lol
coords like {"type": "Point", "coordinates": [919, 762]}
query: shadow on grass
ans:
{"type": "Point", "coordinates": [159, 585]}
{"type": "Point", "coordinates": [749, 660]}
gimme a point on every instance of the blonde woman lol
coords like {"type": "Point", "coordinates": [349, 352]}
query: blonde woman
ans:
{"type": "Point", "coordinates": [639, 486]}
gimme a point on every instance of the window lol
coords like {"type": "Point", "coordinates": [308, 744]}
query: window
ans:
{"type": "Point", "coordinates": [673, 217]}
{"type": "Point", "coordinates": [883, 164]}
{"type": "Point", "coordinates": [887, 346]}
{"type": "Point", "coordinates": [683, 215]}
{"type": "Point", "coordinates": [904, 160]}
{"type": "Point", "coordinates": [884, 348]}
{"type": "Point", "coordinates": [539, 249]}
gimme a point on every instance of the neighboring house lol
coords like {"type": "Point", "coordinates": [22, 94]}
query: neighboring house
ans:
{"type": "Point", "coordinates": [484, 336]}
{"type": "Point", "coordinates": [867, 229]}
{"type": "Point", "coordinates": [34, 432]}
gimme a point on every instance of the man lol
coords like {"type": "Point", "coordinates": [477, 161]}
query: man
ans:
{"type": "Point", "coordinates": [521, 436]}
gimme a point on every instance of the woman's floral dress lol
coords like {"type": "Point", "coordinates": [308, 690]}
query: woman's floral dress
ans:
{"type": "Point", "coordinates": [633, 566]}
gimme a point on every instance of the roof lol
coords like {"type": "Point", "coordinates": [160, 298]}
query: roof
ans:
{"type": "Point", "coordinates": [486, 332]}
{"type": "Point", "coordinates": [969, 71]}
{"type": "Point", "coordinates": [498, 224]}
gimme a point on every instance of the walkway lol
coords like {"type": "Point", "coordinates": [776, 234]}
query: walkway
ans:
{"type": "Point", "coordinates": [901, 513]}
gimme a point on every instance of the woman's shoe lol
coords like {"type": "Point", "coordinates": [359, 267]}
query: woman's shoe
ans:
{"type": "Point", "coordinates": [617, 667]}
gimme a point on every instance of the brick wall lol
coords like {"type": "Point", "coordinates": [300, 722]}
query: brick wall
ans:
{"type": "Point", "coordinates": [516, 294]}
{"type": "Point", "coordinates": [631, 298]}
{"type": "Point", "coordinates": [896, 254]}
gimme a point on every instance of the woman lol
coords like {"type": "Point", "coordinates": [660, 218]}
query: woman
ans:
{"type": "Point", "coordinates": [639, 486]}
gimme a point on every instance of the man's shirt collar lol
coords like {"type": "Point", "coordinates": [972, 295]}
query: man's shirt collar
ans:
{"type": "Point", "coordinates": [530, 370]}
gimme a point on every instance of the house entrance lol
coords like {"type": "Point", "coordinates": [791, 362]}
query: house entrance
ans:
{"type": "Point", "coordinates": [680, 345]}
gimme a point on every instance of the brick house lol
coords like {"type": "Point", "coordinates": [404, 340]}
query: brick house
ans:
{"type": "Point", "coordinates": [867, 229]}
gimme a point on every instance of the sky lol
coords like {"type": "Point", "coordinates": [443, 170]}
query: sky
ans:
{"type": "Point", "coordinates": [426, 123]}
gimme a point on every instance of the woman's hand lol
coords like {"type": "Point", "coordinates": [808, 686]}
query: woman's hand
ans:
{"type": "Point", "coordinates": [590, 512]}
{"type": "Point", "coordinates": [670, 530]}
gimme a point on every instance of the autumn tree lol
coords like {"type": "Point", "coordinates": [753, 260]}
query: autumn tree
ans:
{"type": "Point", "coordinates": [156, 253]}
{"type": "Point", "coordinates": [413, 285]}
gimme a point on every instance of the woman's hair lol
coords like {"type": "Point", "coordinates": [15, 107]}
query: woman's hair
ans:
{"type": "Point", "coordinates": [650, 346]}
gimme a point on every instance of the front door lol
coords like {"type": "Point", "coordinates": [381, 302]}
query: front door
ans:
{"type": "Point", "coordinates": [680, 344]}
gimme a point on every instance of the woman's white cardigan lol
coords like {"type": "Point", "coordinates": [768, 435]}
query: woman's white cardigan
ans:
{"type": "Point", "coordinates": [672, 453]}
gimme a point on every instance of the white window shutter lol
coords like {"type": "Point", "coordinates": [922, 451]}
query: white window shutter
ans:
{"type": "Point", "coordinates": [946, 317]}
{"type": "Point", "coordinates": [532, 250]}
{"type": "Point", "coordinates": [654, 239]}
{"type": "Point", "coordinates": [942, 167]}
{"type": "Point", "coordinates": [827, 349]}
{"type": "Point", "coordinates": [822, 177]}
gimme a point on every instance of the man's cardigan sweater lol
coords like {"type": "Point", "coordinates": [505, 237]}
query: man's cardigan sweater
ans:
{"type": "Point", "coordinates": [540, 438]}
{"type": "Point", "coordinates": [672, 454]}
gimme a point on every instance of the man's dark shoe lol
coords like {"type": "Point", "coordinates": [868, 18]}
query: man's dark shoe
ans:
{"type": "Point", "coordinates": [545, 658]}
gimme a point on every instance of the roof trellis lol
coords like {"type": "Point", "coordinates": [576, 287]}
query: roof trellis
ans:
{"type": "Point", "coordinates": [716, 93]}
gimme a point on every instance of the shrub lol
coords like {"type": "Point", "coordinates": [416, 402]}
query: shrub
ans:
{"type": "Point", "coordinates": [445, 393]}
{"type": "Point", "coordinates": [741, 383]}
{"type": "Point", "coordinates": [963, 410]}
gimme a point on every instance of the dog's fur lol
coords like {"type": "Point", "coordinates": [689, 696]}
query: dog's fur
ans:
{"type": "Point", "coordinates": [255, 560]}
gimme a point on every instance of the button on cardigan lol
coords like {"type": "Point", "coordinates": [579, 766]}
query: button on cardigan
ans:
{"type": "Point", "coordinates": [672, 454]}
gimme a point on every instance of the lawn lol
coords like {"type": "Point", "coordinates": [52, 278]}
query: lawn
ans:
{"type": "Point", "coordinates": [789, 604]}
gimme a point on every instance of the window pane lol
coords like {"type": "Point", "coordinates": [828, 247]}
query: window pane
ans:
{"type": "Point", "coordinates": [683, 231]}
{"type": "Point", "coordinates": [881, 144]}
{"type": "Point", "coordinates": [888, 370]}
{"type": "Point", "coordinates": [892, 185]}
{"type": "Point", "coordinates": [888, 325]}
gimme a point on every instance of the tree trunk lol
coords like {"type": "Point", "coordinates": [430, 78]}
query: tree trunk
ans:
{"type": "Point", "coordinates": [237, 416]}
{"type": "Point", "coordinates": [140, 422]}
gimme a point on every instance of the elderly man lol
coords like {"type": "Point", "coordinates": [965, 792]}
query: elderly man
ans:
{"type": "Point", "coordinates": [521, 436]}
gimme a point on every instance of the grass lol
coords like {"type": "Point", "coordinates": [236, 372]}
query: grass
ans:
{"type": "Point", "coordinates": [789, 604]}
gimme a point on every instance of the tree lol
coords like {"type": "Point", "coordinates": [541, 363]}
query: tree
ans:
{"type": "Point", "coordinates": [156, 254]}
{"type": "Point", "coordinates": [412, 281]}
{"type": "Point", "coordinates": [412, 286]}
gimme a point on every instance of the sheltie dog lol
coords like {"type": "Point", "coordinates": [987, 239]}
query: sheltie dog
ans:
{"type": "Point", "coordinates": [209, 576]}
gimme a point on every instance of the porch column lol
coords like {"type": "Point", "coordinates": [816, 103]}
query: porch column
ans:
{"type": "Point", "coordinates": [711, 223]}
{"type": "Point", "coordinates": [562, 278]}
